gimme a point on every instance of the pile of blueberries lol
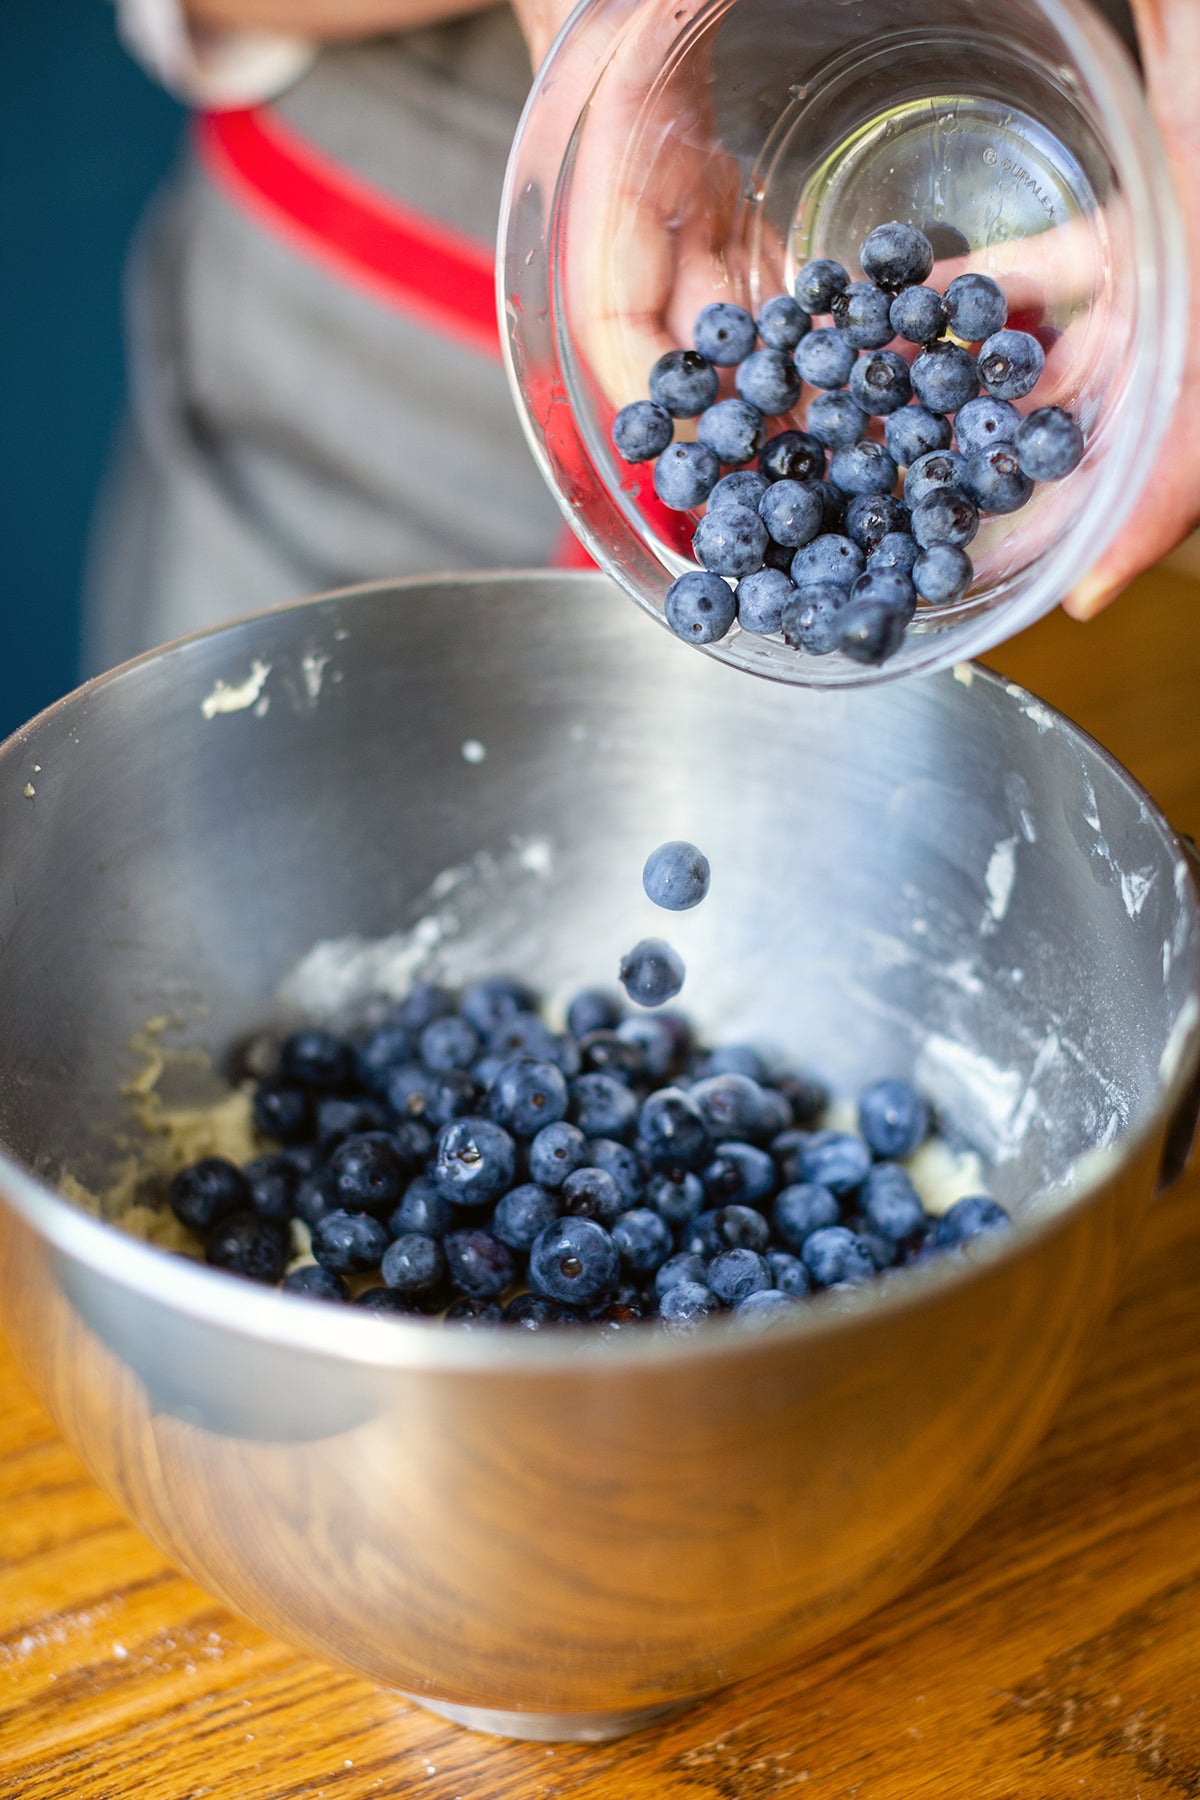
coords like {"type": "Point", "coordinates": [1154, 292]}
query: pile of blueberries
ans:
{"type": "Point", "coordinates": [495, 1171]}
{"type": "Point", "coordinates": [822, 546]}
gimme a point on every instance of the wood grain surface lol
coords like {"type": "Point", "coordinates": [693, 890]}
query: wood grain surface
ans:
{"type": "Point", "coordinates": [1054, 1653]}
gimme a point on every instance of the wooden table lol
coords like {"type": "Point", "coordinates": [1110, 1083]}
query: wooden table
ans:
{"type": "Point", "coordinates": [1056, 1652]}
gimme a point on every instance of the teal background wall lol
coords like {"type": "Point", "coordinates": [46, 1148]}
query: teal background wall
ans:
{"type": "Point", "coordinates": [84, 139]}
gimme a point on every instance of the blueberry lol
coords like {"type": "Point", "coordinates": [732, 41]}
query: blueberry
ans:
{"type": "Point", "coordinates": [1049, 444]}
{"type": "Point", "coordinates": [535, 1312]}
{"type": "Point", "coordinates": [348, 1243]}
{"type": "Point", "coordinates": [810, 621]}
{"type": "Point", "coordinates": [769, 381]}
{"type": "Point", "coordinates": [946, 516]}
{"type": "Point", "coordinates": [414, 1265]}
{"type": "Point", "coordinates": [835, 1255]}
{"type": "Point", "coordinates": [913, 432]}
{"type": "Point", "coordinates": [791, 511]}
{"type": "Point", "coordinates": [870, 517]}
{"type": "Point", "coordinates": [477, 1263]}
{"type": "Point", "coordinates": [880, 382]}
{"type": "Point", "coordinates": [472, 1315]}
{"type": "Point", "coordinates": [807, 1097]}
{"type": "Point", "coordinates": [652, 972]}
{"type": "Point", "coordinates": [832, 1159]}
{"type": "Point", "coordinates": [835, 508]}
{"type": "Point", "coordinates": [683, 1307]}
{"type": "Point", "coordinates": [368, 1175]}
{"type": "Point", "coordinates": [315, 1197]}
{"type": "Point", "coordinates": [385, 1300]}
{"type": "Point", "coordinates": [864, 468]}
{"type": "Point", "coordinates": [937, 469]}
{"type": "Point", "coordinates": [282, 1112]}
{"type": "Point", "coordinates": [593, 1009]}
{"type": "Point", "coordinates": [523, 1034]}
{"type": "Point", "coordinates": [685, 475]}
{"type": "Point", "coordinates": [869, 631]}
{"type": "Point", "coordinates": [555, 1153]}
{"type": "Point", "coordinates": [450, 1094]}
{"type": "Point", "coordinates": [685, 1265]}
{"type": "Point", "coordinates": [641, 431]}
{"type": "Point", "coordinates": [837, 419]}
{"type": "Point", "coordinates": [893, 1118]}
{"type": "Point", "coordinates": [762, 1307]}
{"type": "Point", "coordinates": [411, 1141]}
{"type": "Point", "coordinates": [604, 1053]}
{"type": "Point", "coordinates": [788, 1272]}
{"type": "Point", "coordinates": [208, 1190]}
{"type": "Point", "coordinates": [340, 1116]}
{"type": "Point", "coordinates": [761, 600]}
{"type": "Point", "coordinates": [733, 1059]}
{"type": "Point", "coordinates": [886, 587]}
{"type": "Point", "coordinates": [828, 558]}
{"type": "Point", "coordinates": [676, 1196]}
{"type": "Point", "coordinates": [670, 1131]}
{"type": "Point", "coordinates": [825, 358]}
{"type": "Point", "coordinates": [246, 1245]}
{"type": "Point", "coordinates": [272, 1181]}
{"type": "Point", "coordinates": [527, 1094]}
{"type": "Point", "coordinates": [574, 1260]}
{"type": "Point", "coordinates": [975, 307]}
{"type": "Point", "coordinates": [942, 574]}
{"type": "Point", "coordinates": [891, 1204]}
{"type": "Point", "coordinates": [730, 541]}
{"type": "Point", "coordinates": [776, 559]}
{"type": "Point", "coordinates": [316, 1059]}
{"type": "Point", "coordinates": [591, 1193]}
{"type": "Point", "coordinates": [1011, 364]}
{"type": "Point", "coordinates": [424, 1001]}
{"type": "Point", "coordinates": [643, 1241]}
{"type": "Point", "coordinates": [896, 550]}
{"type": "Point", "coordinates": [474, 1162]}
{"type": "Point", "coordinates": [700, 607]}
{"type": "Point", "coordinates": [656, 1040]}
{"type": "Point", "coordinates": [731, 429]}
{"type": "Point", "coordinates": [730, 1227]}
{"type": "Point", "coordinates": [619, 1161]}
{"type": "Point", "coordinates": [449, 1043]}
{"type": "Point", "coordinates": [782, 322]}
{"type": "Point", "coordinates": [731, 1105]}
{"type": "Point", "coordinates": [387, 1047]}
{"type": "Point", "coordinates": [918, 315]}
{"type": "Point", "coordinates": [740, 1175]}
{"type": "Point", "coordinates": [602, 1106]}
{"type": "Point", "coordinates": [487, 1005]}
{"type": "Point", "coordinates": [792, 456]}
{"type": "Point", "coordinates": [884, 1251]}
{"type": "Point", "coordinates": [724, 333]}
{"type": "Point", "coordinates": [741, 487]}
{"type": "Point", "coordinates": [970, 1218]}
{"type": "Point", "coordinates": [801, 1209]}
{"type": "Point", "coordinates": [983, 422]}
{"type": "Point", "coordinates": [733, 1274]}
{"type": "Point", "coordinates": [683, 383]}
{"type": "Point", "coordinates": [994, 479]}
{"type": "Point", "coordinates": [316, 1283]}
{"type": "Point", "coordinates": [862, 315]}
{"type": "Point", "coordinates": [945, 377]}
{"type": "Point", "coordinates": [422, 1209]}
{"type": "Point", "coordinates": [896, 255]}
{"type": "Point", "coordinates": [818, 283]}
{"type": "Point", "coordinates": [521, 1214]}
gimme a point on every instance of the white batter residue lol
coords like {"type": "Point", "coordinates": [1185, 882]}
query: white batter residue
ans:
{"type": "Point", "coordinates": [312, 667]}
{"type": "Point", "coordinates": [227, 697]}
{"type": "Point", "coordinates": [998, 879]}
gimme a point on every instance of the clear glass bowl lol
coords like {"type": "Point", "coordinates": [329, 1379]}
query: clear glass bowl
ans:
{"type": "Point", "coordinates": [675, 152]}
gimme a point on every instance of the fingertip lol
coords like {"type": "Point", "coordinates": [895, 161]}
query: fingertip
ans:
{"type": "Point", "coordinates": [1089, 598]}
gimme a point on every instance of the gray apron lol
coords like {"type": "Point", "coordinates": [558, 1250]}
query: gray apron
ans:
{"type": "Point", "coordinates": [287, 431]}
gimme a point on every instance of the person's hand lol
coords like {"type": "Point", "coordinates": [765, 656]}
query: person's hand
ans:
{"type": "Point", "coordinates": [1169, 38]}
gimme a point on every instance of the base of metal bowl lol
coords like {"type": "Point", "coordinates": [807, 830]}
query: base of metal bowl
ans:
{"type": "Point", "coordinates": [552, 1728]}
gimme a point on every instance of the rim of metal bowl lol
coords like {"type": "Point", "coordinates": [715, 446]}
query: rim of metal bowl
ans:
{"type": "Point", "coordinates": [298, 1323]}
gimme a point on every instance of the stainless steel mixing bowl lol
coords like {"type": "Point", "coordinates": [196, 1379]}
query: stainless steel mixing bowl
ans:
{"type": "Point", "coordinates": [557, 1537]}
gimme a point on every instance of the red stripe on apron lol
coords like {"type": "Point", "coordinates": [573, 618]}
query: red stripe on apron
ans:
{"type": "Point", "coordinates": [376, 243]}
{"type": "Point", "coordinates": [365, 238]}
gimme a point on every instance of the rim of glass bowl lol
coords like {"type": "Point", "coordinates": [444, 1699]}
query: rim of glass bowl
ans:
{"type": "Point", "coordinates": [624, 547]}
